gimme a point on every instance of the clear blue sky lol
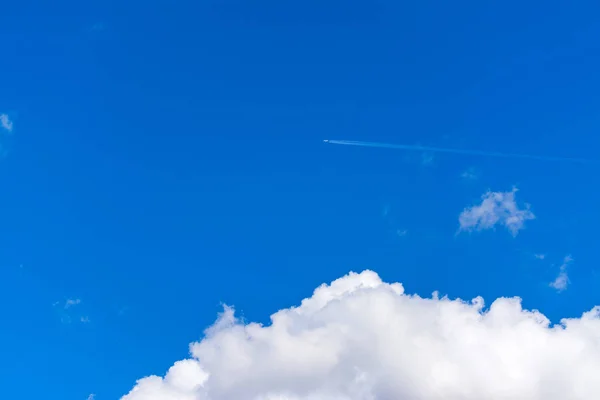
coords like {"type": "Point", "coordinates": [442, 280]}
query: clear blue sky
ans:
{"type": "Point", "coordinates": [166, 157]}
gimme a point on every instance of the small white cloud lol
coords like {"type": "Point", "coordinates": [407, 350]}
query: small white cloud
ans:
{"type": "Point", "coordinates": [363, 339]}
{"type": "Point", "coordinates": [71, 302]}
{"type": "Point", "coordinates": [6, 123]}
{"type": "Point", "coordinates": [66, 311]}
{"type": "Point", "coordinates": [562, 280]}
{"type": "Point", "coordinates": [539, 256]}
{"type": "Point", "coordinates": [401, 232]}
{"type": "Point", "coordinates": [91, 397]}
{"type": "Point", "coordinates": [470, 174]}
{"type": "Point", "coordinates": [495, 208]}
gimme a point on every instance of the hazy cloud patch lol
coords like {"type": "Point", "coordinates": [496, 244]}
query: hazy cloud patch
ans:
{"type": "Point", "coordinates": [496, 208]}
{"type": "Point", "coordinates": [562, 279]}
{"type": "Point", "coordinates": [6, 123]}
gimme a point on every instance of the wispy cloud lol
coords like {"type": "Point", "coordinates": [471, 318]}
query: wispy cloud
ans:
{"type": "Point", "coordinates": [496, 208]}
{"type": "Point", "coordinates": [387, 215]}
{"type": "Point", "coordinates": [427, 159]}
{"type": "Point", "coordinates": [67, 312]}
{"type": "Point", "coordinates": [539, 256]}
{"type": "Point", "coordinates": [97, 27]}
{"type": "Point", "coordinates": [562, 280]}
{"type": "Point", "coordinates": [91, 397]}
{"type": "Point", "coordinates": [6, 123]}
{"type": "Point", "coordinates": [470, 174]}
{"type": "Point", "coordinates": [71, 302]}
{"type": "Point", "coordinates": [385, 211]}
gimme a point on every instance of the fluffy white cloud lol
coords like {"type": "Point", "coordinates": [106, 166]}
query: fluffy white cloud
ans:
{"type": "Point", "coordinates": [562, 280]}
{"type": "Point", "coordinates": [362, 339]}
{"type": "Point", "coordinates": [495, 208]}
{"type": "Point", "coordinates": [6, 123]}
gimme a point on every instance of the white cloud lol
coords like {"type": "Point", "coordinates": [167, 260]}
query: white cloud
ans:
{"type": "Point", "coordinates": [91, 396]}
{"type": "Point", "coordinates": [562, 280]}
{"type": "Point", "coordinates": [539, 256]}
{"type": "Point", "coordinates": [470, 174]}
{"type": "Point", "coordinates": [71, 302]}
{"type": "Point", "coordinates": [66, 311]}
{"type": "Point", "coordinates": [362, 339]}
{"type": "Point", "coordinates": [495, 208]}
{"type": "Point", "coordinates": [6, 123]}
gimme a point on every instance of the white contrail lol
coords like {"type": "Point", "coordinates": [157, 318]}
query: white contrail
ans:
{"type": "Point", "coordinates": [457, 151]}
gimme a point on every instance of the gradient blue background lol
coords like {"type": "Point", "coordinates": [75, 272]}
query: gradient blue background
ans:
{"type": "Point", "coordinates": [167, 156]}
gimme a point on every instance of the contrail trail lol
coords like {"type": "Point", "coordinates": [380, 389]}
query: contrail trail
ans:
{"type": "Point", "coordinates": [458, 151]}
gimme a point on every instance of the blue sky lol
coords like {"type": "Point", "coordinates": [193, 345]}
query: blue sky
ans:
{"type": "Point", "coordinates": [164, 158]}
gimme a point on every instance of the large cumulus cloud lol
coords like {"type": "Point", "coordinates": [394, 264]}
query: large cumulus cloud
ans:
{"type": "Point", "coordinates": [362, 339]}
